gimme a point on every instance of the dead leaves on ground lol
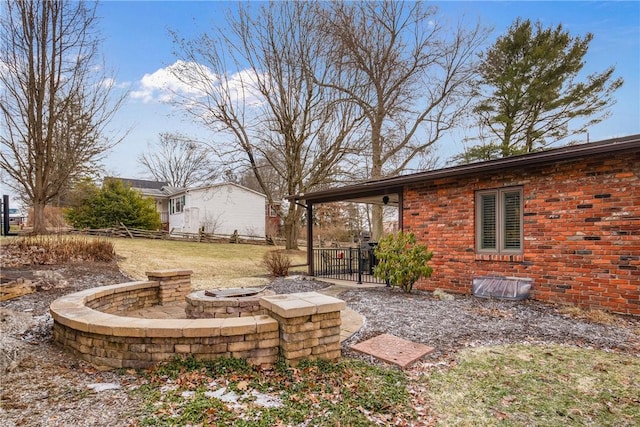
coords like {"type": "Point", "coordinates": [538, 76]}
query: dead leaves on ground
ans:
{"type": "Point", "coordinates": [318, 390]}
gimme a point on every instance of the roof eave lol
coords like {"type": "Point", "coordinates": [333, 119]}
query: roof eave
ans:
{"type": "Point", "coordinates": [549, 156]}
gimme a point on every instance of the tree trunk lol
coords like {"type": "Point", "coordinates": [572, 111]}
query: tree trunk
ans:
{"type": "Point", "coordinates": [291, 228]}
{"type": "Point", "coordinates": [376, 170]}
{"type": "Point", "coordinates": [530, 139]}
{"type": "Point", "coordinates": [506, 141]}
{"type": "Point", "coordinates": [377, 228]}
{"type": "Point", "coordinates": [39, 222]}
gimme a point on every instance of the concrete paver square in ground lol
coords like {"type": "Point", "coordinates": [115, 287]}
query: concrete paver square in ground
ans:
{"type": "Point", "coordinates": [392, 349]}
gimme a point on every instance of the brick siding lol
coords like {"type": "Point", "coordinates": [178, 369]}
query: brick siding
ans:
{"type": "Point", "coordinates": [581, 231]}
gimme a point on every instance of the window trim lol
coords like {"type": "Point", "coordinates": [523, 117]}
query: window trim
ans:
{"type": "Point", "coordinates": [499, 223]}
{"type": "Point", "coordinates": [176, 202]}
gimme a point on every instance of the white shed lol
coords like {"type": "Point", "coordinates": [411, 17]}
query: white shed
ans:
{"type": "Point", "coordinates": [218, 209]}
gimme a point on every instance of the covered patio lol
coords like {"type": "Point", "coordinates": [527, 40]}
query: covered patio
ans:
{"type": "Point", "coordinates": [347, 263]}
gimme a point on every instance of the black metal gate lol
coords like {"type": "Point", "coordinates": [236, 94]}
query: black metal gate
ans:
{"type": "Point", "coordinates": [353, 264]}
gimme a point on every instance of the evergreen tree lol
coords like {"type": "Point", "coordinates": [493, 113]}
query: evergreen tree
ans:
{"type": "Point", "coordinates": [114, 204]}
{"type": "Point", "coordinates": [531, 91]}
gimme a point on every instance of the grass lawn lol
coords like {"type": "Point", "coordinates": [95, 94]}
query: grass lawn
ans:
{"type": "Point", "coordinates": [551, 385]}
{"type": "Point", "coordinates": [346, 393]}
{"type": "Point", "coordinates": [213, 264]}
{"type": "Point", "coordinates": [515, 385]}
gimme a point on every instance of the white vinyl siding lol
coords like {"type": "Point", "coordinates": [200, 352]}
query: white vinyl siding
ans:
{"type": "Point", "coordinates": [220, 209]}
{"type": "Point", "coordinates": [499, 221]}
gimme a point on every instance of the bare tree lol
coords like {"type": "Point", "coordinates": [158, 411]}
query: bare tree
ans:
{"type": "Point", "coordinates": [268, 175]}
{"type": "Point", "coordinates": [258, 83]}
{"type": "Point", "coordinates": [406, 71]}
{"type": "Point", "coordinates": [55, 101]}
{"type": "Point", "coordinates": [179, 160]}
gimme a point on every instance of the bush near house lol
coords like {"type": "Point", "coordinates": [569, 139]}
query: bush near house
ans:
{"type": "Point", "coordinates": [401, 262]}
{"type": "Point", "coordinates": [114, 204]}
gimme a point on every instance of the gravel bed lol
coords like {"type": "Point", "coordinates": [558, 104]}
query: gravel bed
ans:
{"type": "Point", "coordinates": [465, 320]}
{"type": "Point", "coordinates": [42, 385]}
{"type": "Point", "coordinates": [293, 284]}
{"type": "Point", "coordinates": [449, 325]}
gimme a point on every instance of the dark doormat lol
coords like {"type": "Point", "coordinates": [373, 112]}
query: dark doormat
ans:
{"type": "Point", "coordinates": [392, 349]}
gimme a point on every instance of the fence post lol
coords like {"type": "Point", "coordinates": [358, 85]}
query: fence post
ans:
{"type": "Point", "coordinates": [359, 265]}
{"type": "Point", "coordinates": [350, 258]}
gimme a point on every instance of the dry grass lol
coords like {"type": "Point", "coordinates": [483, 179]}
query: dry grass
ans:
{"type": "Point", "coordinates": [56, 249]}
{"type": "Point", "coordinates": [537, 385]}
{"type": "Point", "coordinates": [592, 315]}
{"type": "Point", "coordinates": [213, 264]}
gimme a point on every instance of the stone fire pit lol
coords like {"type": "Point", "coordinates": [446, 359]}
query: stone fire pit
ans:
{"type": "Point", "coordinates": [223, 303]}
{"type": "Point", "coordinates": [93, 324]}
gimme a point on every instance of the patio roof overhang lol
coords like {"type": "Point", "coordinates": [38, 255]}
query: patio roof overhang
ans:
{"type": "Point", "coordinates": [373, 191]}
{"type": "Point", "coordinates": [372, 196]}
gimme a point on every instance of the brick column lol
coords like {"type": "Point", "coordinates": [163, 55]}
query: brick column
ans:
{"type": "Point", "coordinates": [309, 325]}
{"type": "Point", "coordinates": [175, 285]}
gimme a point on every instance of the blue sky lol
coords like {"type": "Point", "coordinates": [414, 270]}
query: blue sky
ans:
{"type": "Point", "coordinates": [138, 47]}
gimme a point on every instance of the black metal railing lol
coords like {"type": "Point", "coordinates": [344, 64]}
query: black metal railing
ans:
{"type": "Point", "coordinates": [354, 264]}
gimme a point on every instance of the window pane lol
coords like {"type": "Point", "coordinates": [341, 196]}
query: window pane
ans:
{"type": "Point", "coordinates": [176, 205]}
{"type": "Point", "coordinates": [511, 226]}
{"type": "Point", "coordinates": [488, 221]}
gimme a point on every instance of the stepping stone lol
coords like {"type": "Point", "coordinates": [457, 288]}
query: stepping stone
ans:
{"type": "Point", "coordinates": [392, 349]}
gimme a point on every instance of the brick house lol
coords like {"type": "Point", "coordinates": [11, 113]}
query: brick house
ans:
{"type": "Point", "coordinates": [567, 218]}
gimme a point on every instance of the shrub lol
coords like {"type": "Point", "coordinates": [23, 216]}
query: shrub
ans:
{"type": "Point", "coordinates": [114, 204]}
{"type": "Point", "coordinates": [41, 250]}
{"type": "Point", "coordinates": [401, 261]}
{"type": "Point", "coordinates": [277, 263]}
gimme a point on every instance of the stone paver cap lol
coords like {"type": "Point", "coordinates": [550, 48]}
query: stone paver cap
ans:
{"type": "Point", "coordinates": [393, 350]}
{"type": "Point", "coordinates": [301, 304]}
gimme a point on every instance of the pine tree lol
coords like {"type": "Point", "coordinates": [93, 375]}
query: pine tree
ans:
{"type": "Point", "coordinates": [112, 205]}
{"type": "Point", "coordinates": [531, 90]}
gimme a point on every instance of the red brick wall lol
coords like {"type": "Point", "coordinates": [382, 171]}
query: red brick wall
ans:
{"type": "Point", "coordinates": [581, 231]}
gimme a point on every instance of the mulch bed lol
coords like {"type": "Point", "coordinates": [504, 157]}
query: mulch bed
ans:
{"type": "Point", "coordinates": [470, 321]}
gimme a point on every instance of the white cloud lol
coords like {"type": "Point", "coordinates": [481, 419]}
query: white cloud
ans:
{"type": "Point", "coordinates": [162, 85]}
{"type": "Point", "coordinates": [196, 81]}
{"type": "Point", "coordinates": [109, 83]}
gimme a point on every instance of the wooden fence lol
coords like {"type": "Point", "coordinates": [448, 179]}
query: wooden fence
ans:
{"type": "Point", "coordinates": [137, 233]}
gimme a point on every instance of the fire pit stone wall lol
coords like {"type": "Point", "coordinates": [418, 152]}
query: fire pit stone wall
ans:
{"type": "Point", "coordinates": [201, 306]}
{"type": "Point", "coordinates": [296, 326]}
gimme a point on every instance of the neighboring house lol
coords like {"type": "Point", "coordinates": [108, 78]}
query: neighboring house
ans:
{"type": "Point", "coordinates": [567, 218]}
{"type": "Point", "coordinates": [157, 190]}
{"type": "Point", "coordinates": [273, 219]}
{"type": "Point", "coordinates": [218, 209]}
